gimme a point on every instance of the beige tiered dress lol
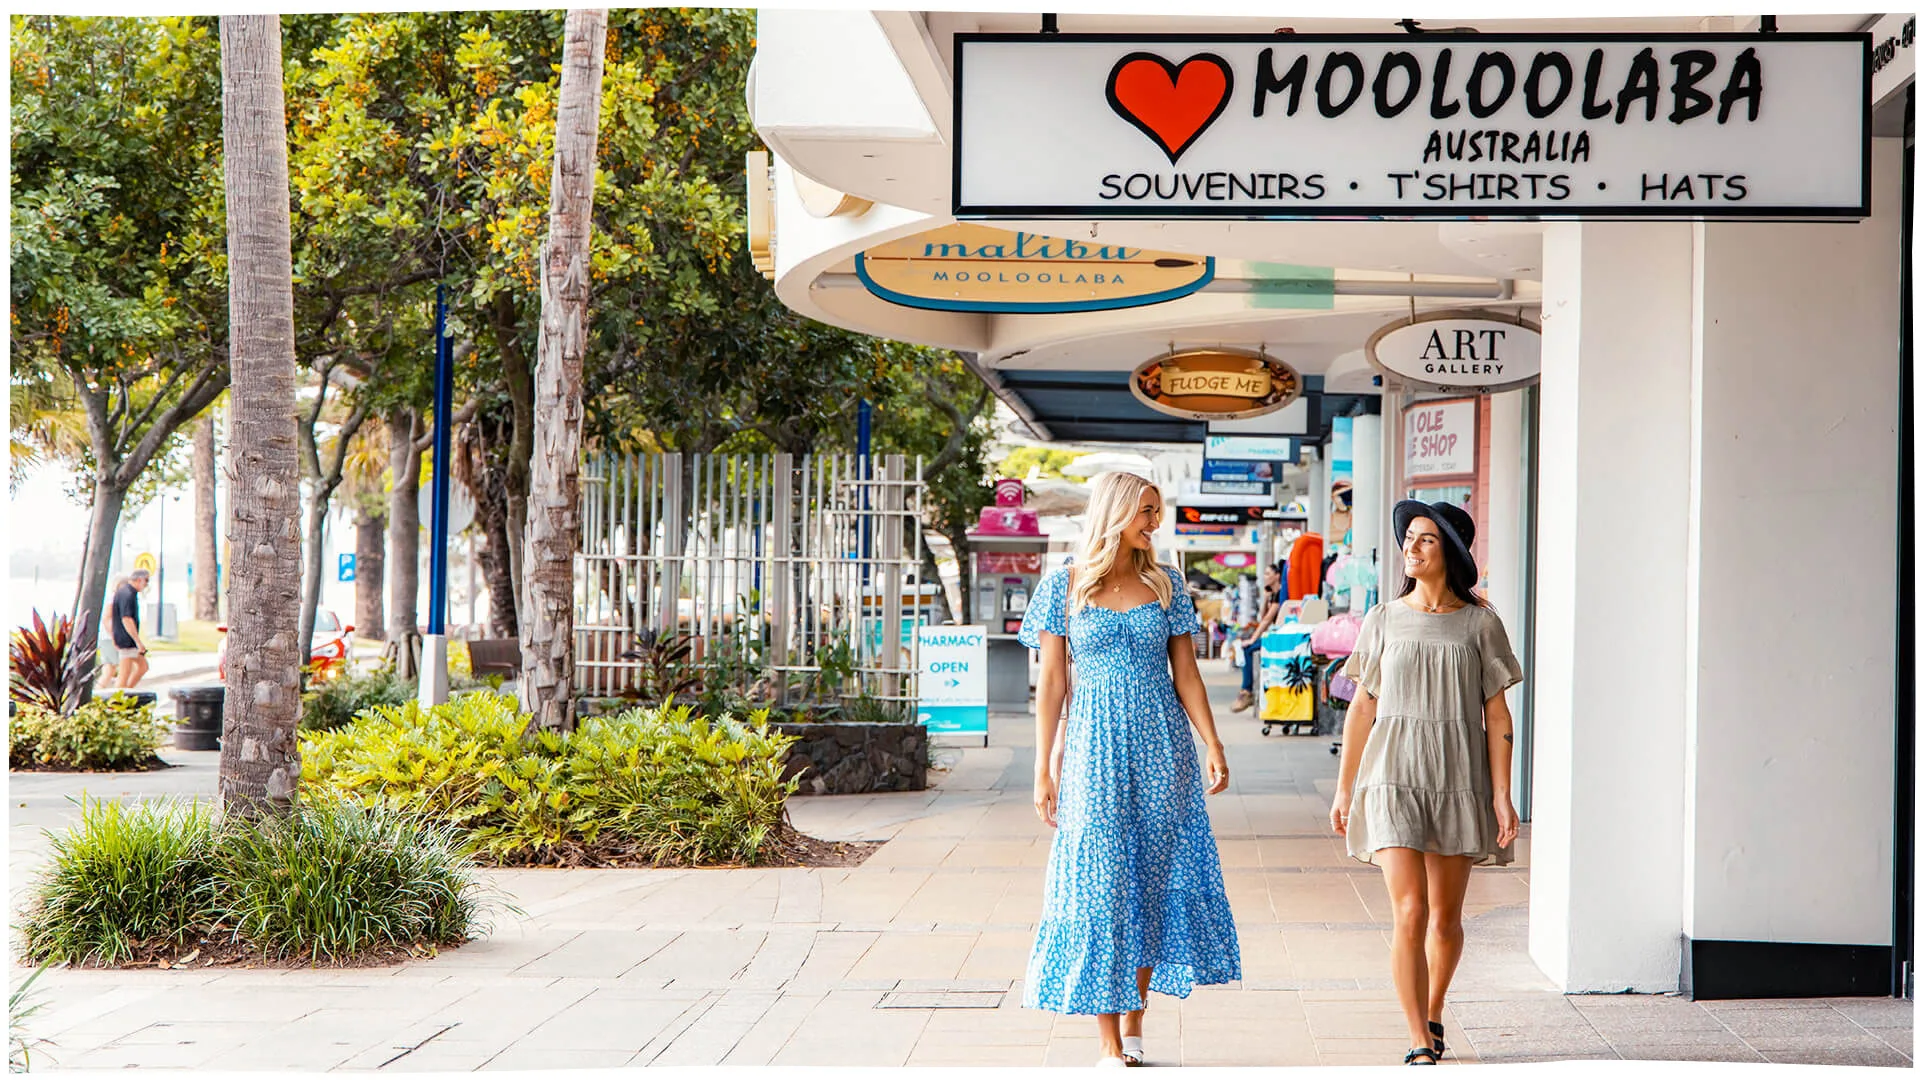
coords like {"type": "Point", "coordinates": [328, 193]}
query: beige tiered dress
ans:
{"type": "Point", "coordinates": [1424, 780]}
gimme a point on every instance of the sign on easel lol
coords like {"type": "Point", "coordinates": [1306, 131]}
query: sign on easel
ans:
{"type": "Point", "coordinates": [953, 680]}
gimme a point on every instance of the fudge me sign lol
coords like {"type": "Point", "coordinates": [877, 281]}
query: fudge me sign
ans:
{"type": "Point", "coordinates": [1396, 126]}
{"type": "Point", "coordinates": [1479, 352]}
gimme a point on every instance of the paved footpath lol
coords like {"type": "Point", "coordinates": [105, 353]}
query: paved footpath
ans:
{"type": "Point", "coordinates": [913, 958]}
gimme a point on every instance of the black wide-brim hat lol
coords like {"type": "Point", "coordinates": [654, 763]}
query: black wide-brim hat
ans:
{"type": "Point", "coordinates": [1456, 530]}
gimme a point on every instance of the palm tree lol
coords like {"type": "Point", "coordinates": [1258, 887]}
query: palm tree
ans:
{"type": "Point", "coordinates": [260, 755]}
{"type": "Point", "coordinates": [553, 514]}
{"type": "Point", "coordinates": [206, 547]}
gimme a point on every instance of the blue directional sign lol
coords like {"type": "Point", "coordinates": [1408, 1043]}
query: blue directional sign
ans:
{"type": "Point", "coordinates": [347, 566]}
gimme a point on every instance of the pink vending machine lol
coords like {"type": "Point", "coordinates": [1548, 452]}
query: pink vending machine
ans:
{"type": "Point", "coordinates": [1009, 554]}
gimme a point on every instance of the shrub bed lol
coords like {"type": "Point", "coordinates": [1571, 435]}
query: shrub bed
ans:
{"type": "Point", "coordinates": [118, 732]}
{"type": "Point", "coordinates": [334, 702]}
{"type": "Point", "coordinates": [658, 786]}
{"type": "Point", "coordinates": [334, 883]}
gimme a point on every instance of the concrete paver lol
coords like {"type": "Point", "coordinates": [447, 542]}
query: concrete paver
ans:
{"type": "Point", "coordinates": [613, 968]}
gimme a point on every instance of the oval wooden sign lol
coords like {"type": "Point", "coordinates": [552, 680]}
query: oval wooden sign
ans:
{"type": "Point", "coordinates": [1215, 384]}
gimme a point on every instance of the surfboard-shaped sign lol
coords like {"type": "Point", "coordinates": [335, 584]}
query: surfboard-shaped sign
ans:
{"type": "Point", "coordinates": [978, 268]}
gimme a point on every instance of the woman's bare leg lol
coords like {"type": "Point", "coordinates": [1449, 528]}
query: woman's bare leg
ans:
{"type": "Point", "coordinates": [1446, 896]}
{"type": "Point", "coordinates": [1406, 874]}
{"type": "Point", "coordinates": [1109, 1028]}
{"type": "Point", "coordinates": [1131, 1025]}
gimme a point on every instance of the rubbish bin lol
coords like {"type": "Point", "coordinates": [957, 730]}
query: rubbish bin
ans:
{"type": "Point", "coordinates": [199, 714]}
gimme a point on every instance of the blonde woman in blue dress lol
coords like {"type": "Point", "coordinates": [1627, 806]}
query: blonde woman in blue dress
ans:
{"type": "Point", "coordinates": [1134, 896]}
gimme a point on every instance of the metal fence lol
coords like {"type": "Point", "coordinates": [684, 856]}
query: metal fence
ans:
{"type": "Point", "coordinates": [788, 577]}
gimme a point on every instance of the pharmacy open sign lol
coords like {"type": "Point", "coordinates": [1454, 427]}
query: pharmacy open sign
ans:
{"type": "Point", "coordinates": [953, 679]}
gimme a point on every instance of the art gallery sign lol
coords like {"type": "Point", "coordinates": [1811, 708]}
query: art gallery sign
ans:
{"type": "Point", "coordinates": [1477, 352]}
{"type": "Point", "coordinates": [1398, 126]}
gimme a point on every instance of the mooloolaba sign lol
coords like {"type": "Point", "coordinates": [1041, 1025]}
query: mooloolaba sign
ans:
{"type": "Point", "coordinates": [1458, 350]}
{"type": "Point", "coordinates": [1396, 126]}
{"type": "Point", "coordinates": [1215, 384]}
{"type": "Point", "coordinates": [977, 268]}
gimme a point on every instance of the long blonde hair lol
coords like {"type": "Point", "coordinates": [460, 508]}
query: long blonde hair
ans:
{"type": "Point", "coordinates": [1114, 501]}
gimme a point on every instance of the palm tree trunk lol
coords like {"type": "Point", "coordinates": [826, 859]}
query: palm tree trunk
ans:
{"type": "Point", "coordinates": [369, 574]}
{"type": "Point", "coordinates": [403, 527]}
{"type": "Point", "coordinates": [206, 525]}
{"type": "Point", "coordinates": [553, 503]}
{"type": "Point", "coordinates": [260, 751]}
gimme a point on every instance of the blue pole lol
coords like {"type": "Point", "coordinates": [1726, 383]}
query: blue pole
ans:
{"type": "Point", "coordinates": [442, 457]}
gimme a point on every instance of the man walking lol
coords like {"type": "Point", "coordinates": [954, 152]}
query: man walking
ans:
{"type": "Point", "coordinates": [124, 616]}
{"type": "Point", "coordinates": [1273, 591]}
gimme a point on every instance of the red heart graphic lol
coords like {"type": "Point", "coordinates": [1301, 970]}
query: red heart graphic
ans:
{"type": "Point", "coordinates": [1173, 105]}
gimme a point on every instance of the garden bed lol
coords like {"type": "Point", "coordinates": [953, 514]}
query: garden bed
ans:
{"type": "Point", "coordinates": [153, 764]}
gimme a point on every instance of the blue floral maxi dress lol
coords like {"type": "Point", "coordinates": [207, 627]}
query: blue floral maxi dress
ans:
{"type": "Point", "coordinates": [1133, 879]}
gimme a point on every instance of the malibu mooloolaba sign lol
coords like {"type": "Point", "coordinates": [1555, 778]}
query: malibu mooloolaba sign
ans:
{"type": "Point", "coordinates": [1394, 126]}
{"type": "Point", "coordinates": [977, 268]}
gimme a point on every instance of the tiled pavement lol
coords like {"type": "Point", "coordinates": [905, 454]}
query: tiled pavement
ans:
{"type": "Point", "coordinates": [914, 958]}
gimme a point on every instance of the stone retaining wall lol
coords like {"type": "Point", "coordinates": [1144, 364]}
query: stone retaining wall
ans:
{"type": "Point", "coordinates": [853, 759]}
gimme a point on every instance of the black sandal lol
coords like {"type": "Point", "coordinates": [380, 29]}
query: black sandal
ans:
{"type": "Point", "coordinates": [1418, 1051]}
{"type": "Point", "coordinates": [1439, 1044]}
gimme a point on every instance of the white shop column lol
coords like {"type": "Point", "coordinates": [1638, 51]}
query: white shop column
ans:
{"type": "Point", "coordinates": [1509, 475]}
{"type": "Point", "coordinates": [1792, 712]}
{"type": "Point", "coordinates": [1368, 476]}
{"type": "Point", "coordinates": [1610, 609]}
{"type": "Point", "coordinates": [1315, 462]}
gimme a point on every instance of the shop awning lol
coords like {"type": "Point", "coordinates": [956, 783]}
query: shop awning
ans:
{"type": "Point", "coordinates": [1097, 407]}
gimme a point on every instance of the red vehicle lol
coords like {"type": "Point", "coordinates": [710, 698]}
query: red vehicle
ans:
{"type": "Point", "coordinates": [332, 644]}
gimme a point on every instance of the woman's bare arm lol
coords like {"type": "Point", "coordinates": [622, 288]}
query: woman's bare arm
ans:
{"type": "Point", "coordinates": [1049, 695]}
{"type": "Point", "coordinates": [1193, 698]}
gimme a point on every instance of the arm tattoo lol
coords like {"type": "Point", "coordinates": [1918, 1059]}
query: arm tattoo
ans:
{"type": "Point", "coordinates": [1509, 738]}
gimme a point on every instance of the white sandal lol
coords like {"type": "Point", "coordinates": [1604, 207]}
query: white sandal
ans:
{"type": "Point", "coordinates": [1131, 1048]}
{"type": "Point", "coordinates": [1111, 1063]}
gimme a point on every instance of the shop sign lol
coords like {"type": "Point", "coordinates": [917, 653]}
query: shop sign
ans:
{"type": "Point", "coordinates": [1232, 515]}
{"type": "Point", "coordinates": [1259, 489]}
{"type": "Point", "coordinates": [1505, 126]}
{"type": "Point", "coordinates": [1249, 448]}
{"type": "Point", "coordinates": [1458, 351]}
{"type": "Point", "coordinates": [1340, 450]}
{"type": "Point", "coordinates": [1234, 560]}
{"type": "Point", "coordinates": [1183, 528]}
{"type": "Point", "coordinates": [1008, 562]}
{"type": "Point", "coordinates": [1443, 438]}
{"type": "Point", "coordinates": [968, 267]}
{"type": "Point", "coordinates": [953, 679]}
{"type": "Point", "coordinates": [1892, 54]}
{"type": "Point", "coordinates": [1215, 384]}
{"type": "Point", "coordinates": [1211, 469]}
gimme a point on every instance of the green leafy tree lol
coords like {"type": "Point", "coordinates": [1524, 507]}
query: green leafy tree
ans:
{"type": "Point", "coordinates": [118, 264]}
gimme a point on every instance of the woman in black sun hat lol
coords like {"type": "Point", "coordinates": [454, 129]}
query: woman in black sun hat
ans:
{"type": "Point", "coordinates": [1427, 759]}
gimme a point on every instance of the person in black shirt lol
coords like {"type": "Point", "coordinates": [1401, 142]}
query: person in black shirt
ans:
{"type": "Point", "coordinates": [1271, 586]}
{"type": "Point", "coordinates": [124, 618]}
